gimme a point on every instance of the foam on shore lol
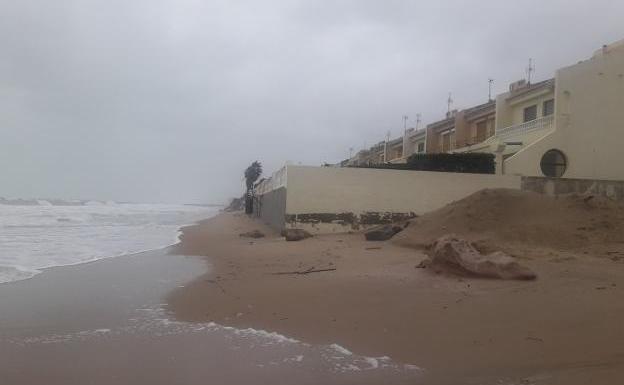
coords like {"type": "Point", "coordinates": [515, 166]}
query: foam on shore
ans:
{"type": "Point", "coordinates": [283, 350]}
{"type": "Point", "coordinates": [36, 237]}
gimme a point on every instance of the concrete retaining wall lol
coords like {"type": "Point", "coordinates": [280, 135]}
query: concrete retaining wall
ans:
{"type": "Point", "coordinates": [327, 199]}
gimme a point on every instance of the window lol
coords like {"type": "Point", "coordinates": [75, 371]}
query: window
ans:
{"type": "Point", "coordinates": [481, 132]}
{"type": "Point", "coordinates": [548, 108]}
{"type": "Point", "coordinates": [553, 163]}
{"type": "Point", "coordinates": [446, 142]}
{"type": "Point", "coordinates": [421, 147]}
{"type": "Point", "coordinates": [530, 113]}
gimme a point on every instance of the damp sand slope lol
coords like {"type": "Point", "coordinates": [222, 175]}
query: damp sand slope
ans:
{"type": "Point", "coordinates": [106, 323]}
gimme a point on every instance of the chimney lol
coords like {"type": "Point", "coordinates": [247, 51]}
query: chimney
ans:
{"type": "Point", "coordinates": [515, 86]}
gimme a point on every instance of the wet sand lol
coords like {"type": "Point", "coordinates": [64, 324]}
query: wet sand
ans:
{"type": "Point", "coordinates": [564, 328]}
{"type": "Point", "coordinates": [106, 322]}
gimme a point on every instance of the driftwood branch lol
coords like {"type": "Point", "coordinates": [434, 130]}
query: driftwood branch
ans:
{"type": "Point", "coordinates": [310, 270]}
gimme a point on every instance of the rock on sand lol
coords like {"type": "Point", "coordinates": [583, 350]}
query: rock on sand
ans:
{"type": "Point", "coordinates": [382, 233]}
{"type": "Point", "coordinates": [295, 234]}
{"type": "Point", "coordinates": [252, 234]}
{"type": "Point", "coordinates": [452, 253]}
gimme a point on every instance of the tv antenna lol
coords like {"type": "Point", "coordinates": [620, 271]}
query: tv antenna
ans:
{"type": "Point", "coordinates": [417, 120]}
{"type": "Point", "coordinates": [530, 69]}
{"type": "Point", "coordinates": [449, 103]}
{"type": "Point", "coordinates": [490, 82]}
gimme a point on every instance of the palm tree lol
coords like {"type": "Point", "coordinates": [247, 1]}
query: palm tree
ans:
{"type": "Point", "coordinates": [252, 173]}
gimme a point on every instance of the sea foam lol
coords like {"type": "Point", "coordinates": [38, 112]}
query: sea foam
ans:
{"type": "Point", "coordinates": [35, 237]}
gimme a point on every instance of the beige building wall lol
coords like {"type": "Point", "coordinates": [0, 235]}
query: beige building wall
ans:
{"type": "Point", "coordinates": [589, 120]}
{"type": "Point", "coordinates": [511, 112]}
{"type": "Point", "coordinates": [319, 191]}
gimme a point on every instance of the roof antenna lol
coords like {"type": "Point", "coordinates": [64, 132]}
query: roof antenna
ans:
{"type": "Point", "coordinates": [417, 121]}
{"type": "Point", "coordinates": [449, 103]}
{"type": "Point", "coordinates": [530, 69]}
{"type": "Point", "coordinates": [490, 82]}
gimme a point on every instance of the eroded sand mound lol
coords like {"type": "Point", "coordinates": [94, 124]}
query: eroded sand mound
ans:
{"type": "Point", "coordinates": [499, 218]}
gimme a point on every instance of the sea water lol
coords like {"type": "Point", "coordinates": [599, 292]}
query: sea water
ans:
{"type": "Point", "coordinates": [33, 237]}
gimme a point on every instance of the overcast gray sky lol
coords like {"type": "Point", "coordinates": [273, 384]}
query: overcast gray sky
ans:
{"type": "Point", "coordinates": [169, 100]}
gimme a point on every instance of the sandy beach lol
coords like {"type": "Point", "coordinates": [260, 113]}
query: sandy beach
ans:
{"type": "Point", "coordinates": [563, 328]}
{"type": "Point", "coordinates": [106, 323]}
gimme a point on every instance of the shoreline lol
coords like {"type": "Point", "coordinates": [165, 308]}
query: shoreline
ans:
{"type": "Point", "coordinates": [376, 303]}
{"type": "Point", "coordinates": [107, 322]}
{"type": "Point", "coordinates": [164, 248]}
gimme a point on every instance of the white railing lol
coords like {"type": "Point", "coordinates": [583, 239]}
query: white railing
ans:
{"type": "Point", "coordinates": [543, 123]}
{"type": "Point", "coordinates": [275, 181]}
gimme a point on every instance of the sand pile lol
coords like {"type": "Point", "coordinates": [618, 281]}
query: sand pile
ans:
{"type": "Point", "coordinates": [502, 218]}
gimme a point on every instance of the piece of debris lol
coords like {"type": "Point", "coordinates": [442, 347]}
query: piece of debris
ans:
{"type": "Point", "coordinates": [382, 233]}
{"type": "Point", "coordinates": [423, 264]}
{"type": "Point", "coordinates": [303, 272]}
{"type": "Point", "coordinates": [458, 255]}
{"type": "Point", "coordinates": [252, 234]}
{"type": "Point", "coordinates": [292, 235]}
{"type": "Point", "coordinates": [373, 248]}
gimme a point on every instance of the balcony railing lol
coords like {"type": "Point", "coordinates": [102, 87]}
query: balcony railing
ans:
{"type": "Point", "coordinates": [543, 123]}
{"type": "Point", "coordinates": [474, 140]}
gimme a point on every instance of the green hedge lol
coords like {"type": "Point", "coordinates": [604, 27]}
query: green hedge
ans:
{"type": "Point", "coordinates": [476, 163]}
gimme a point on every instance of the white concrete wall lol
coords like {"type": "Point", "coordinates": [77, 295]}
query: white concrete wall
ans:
{"type": "Point", "coordinates": [322, 190]}
{"type": "Point", "coordinates": [589, 109]}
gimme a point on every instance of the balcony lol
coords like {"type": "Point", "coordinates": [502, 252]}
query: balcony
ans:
{"type": "Point", "coordinates": [474, 140]}
{"type": "Point", "coordinates": [543, 123]}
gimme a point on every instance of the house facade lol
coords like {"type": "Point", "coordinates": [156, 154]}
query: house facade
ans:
{"type": "Point", "coordinates": [441, 135]}
{"type": "Point", "coordinates": [570, 126]}
{"type": "Point", "coordinates": [587, 124]}
{"type": "Point", "coordinates": [462, 131]}
{"type": "Point", "coordinates": [394, 150]}
{"type": "Point", "coordinates": [415, 142]}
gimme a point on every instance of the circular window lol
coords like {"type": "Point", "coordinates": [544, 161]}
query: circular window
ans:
{"type": "Point", "coordinates": [553, 163]}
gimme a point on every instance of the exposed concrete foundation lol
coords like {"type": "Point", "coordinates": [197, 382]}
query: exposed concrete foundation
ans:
{"type": "Point", "coordinates": [557, 186]}
{"type": "Point", "coordinates": [329, 222]}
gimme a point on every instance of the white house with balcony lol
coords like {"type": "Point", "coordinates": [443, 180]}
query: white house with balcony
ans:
{"type": "Point", "coordinates": [524, 115]}
{"type": "Point", "coordinates": [571, 126]}
{"type": "Point", "coordinates": [585, 141]}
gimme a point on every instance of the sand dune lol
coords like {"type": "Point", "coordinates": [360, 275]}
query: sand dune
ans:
{"type": "Point", "coordinates": [523, 223]}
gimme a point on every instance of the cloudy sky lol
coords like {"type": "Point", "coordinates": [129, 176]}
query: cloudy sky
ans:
{"type": "Point", "coordinates": [169, 100]}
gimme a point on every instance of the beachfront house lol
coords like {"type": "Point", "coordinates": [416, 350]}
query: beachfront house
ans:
{"type": "Point", "coordinates": [462, 130]}
{"type": "Point", "coordinates": [585, 122]}
{"type": "Point", "coordinates": [394, 150]}
{"type": "Point", "coordinates": [415, 142]}
{"type": "Point", "coordinates": [570, 126]}
{"type": "Point", "coordinates": [441, 134]}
